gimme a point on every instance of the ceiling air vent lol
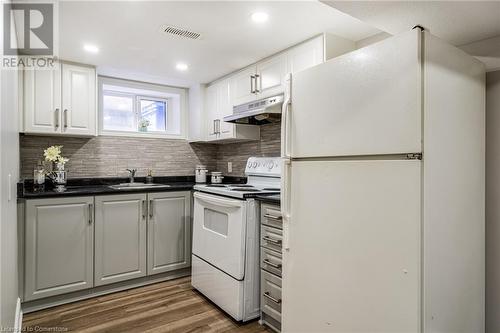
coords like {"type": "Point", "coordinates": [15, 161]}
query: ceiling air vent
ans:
{"type": "Point", "coordinates": [180, 32]}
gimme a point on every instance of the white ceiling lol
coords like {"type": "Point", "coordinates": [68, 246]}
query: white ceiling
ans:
{"type": "Point", "coordinates": [131, 45]}
{"type": "Point", "coordinates": [459, 22]}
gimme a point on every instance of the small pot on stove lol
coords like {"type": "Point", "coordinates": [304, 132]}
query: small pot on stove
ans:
{"type": "Point", "coordinates": [216, 177]}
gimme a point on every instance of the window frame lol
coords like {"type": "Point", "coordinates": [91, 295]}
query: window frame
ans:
{"type": "Point", "coordinates": [165, 94]}
{"type": "Point", "coordinates": [139, 98]}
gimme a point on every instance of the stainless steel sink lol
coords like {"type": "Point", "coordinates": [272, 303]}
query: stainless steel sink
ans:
{"type": "Point", "coordinates": [136, 186]}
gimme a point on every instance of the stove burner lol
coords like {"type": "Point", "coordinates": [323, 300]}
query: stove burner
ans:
{"type": "Point", "coordinates": [215, 185]}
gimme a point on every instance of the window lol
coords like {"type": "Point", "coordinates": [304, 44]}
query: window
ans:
{"type": "Point", "coordinates": [138, 109]}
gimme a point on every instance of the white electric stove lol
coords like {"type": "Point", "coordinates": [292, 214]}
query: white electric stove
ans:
{"type": "Point", "coordinates": [225, 261]}
{"type": "Point", "coordinates": [263, 177]}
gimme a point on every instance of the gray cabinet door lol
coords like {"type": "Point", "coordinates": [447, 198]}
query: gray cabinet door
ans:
{"type": "Point", "coordinates": [169, 231]}
{"type": "Point", "coordinates": [59, 246]}
{"type": "Point", "coordinates": [120, 237]}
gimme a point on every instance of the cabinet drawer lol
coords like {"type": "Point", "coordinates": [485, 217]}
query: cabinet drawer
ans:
{"type": "Point", "coordinates": [271, 216]}
{"type": "Point", "coordinates": [270, 261]}
{"type": "Point", "coordinates": [271, 238]}
{"type": "Point", "coordinates": [270, 299]}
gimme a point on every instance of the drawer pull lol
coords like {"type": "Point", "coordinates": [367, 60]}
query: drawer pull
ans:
{"type": "Point", "coordinates": [278, 218]}
{"type": "Point", "coordinates": [272, 240]}
{"type": "Point", "coordinates": [272, 264]}
{"type": "Point", "coordinates": [267, 295]}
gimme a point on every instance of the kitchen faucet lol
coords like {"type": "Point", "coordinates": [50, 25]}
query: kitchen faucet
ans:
{"type": "Point", "coordinates": [131, 174]}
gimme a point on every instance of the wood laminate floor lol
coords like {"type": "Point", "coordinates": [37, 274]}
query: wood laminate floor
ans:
{"type": "Point", "coordinates": [171, 306]}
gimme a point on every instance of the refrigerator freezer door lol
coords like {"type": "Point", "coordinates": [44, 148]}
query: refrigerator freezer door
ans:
{"type": "Point", "coordinates": [353, 263]}
{"type": "Point", "coordinates": [366, 102]}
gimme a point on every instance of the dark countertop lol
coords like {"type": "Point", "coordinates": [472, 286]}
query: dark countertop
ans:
{"type": "Point", "coordinates": [272, 199]}
{"type": "Point", "coordinates": [100, 186]}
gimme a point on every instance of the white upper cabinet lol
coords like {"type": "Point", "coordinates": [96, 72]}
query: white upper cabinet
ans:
{"type": "Point", "coordinates": [270, 76]}
{"type": "Point", "coordinates": [60, 101]}
{"type": "Point", "coordinates": [308, 54]}
{"type": "Point", "coordinates": [218, 102]}
{"type": "Point", "coordinates": [243, 88]}
{"type": "Point", "coordinates": [79, 99]}
{"type": "Point", "coordinates": [211, 114]}
{"type": "Point", "coordinates": [225, 109]}
{"type": "Point", "coordinates": [263, 79]}
{"type": "Point", "coordinates": [42, 101]}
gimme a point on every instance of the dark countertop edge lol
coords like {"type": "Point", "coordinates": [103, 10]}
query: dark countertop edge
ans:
{"type": "Point", "coordinates": [101, 190]}
{"type": "Point", "coordinates": [100, 186]}
{"type": "Point", "coordinates": [269, 199]}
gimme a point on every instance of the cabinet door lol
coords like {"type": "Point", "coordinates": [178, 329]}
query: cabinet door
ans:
{"type": "Point", "coordinates": [225, 108]}
{"type": "Point", "coordinates": [306, 55]}
{"type": "Point", "coordinates": [120, 237]}
{"type": "Point", "coordinates": [211, 112]}
{"type": "Point", "coordinates": [58, 246]}
{"type": "Point", "coordinates": [169, 231]}
{"type": "Point", "coordinates": [271, 76]}
{"type": "Point", "coordinates": [78, 100]}
{"type": "Point", "coordinates": [42, 101]}
{"type": "Point", "coordinates": [243, 87]}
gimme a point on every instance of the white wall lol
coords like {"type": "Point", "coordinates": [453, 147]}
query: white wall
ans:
{"type": "Point", "coordinates": [493, 202]}
{"type": "Point", "coordinates": [9, 175]}
{"type": "Point", "coordinates": [372, 39]}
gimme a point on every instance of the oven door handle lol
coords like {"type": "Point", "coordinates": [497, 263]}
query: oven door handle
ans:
{"type": "Point", "coordinates": [218, 200]}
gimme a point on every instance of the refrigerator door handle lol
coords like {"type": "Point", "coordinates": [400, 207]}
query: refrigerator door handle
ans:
{"type": "Point", "coordinates": [285, 193]}
{"type": "Point", "coordinates": [284, 118]}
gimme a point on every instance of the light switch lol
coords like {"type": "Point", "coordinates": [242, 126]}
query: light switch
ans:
{"type": "Point", "coordinates": [229, 167]}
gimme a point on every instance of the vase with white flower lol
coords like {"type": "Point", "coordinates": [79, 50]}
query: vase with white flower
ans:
{"type": "Point", "coordinates": [144, 124]}
{"type": "Point", "coordinates": [58, 176]}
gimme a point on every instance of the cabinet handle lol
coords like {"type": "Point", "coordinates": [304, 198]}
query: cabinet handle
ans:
{"type": "Point", "coordinates": [268, 296]}
{"type": "Point", "coordinates": [57, 118]}
{"type": "Point", "coordinates": [267, 216]}
{"type": "Point", "coordinates": [65, 118]}
{"type": "Point", "coordinates": [272, 264]}
{"type": "Point", "coordinates": [144, 208]}
{"type": "Point", "coordinates": [91, 210]}
{"type": "Point", "coordinates": [215, 131]}
{"type": "Point", "coordinates": [150, 209]}
{"type": "Point", "coordinates": [257, 84]}
{"type": "Point", "coordinates": [252, 80]}
{"type": "Point", "coordinates": [272, 240]}
{"type": "Point", "coordinates": [218, 126]}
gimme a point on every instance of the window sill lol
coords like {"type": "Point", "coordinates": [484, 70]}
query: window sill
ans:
{"type": "Point", "coordinates": [143, 135]}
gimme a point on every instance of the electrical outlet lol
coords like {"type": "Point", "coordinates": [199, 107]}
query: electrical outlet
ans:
{"type": "Point", "coordinates": [229, 167]}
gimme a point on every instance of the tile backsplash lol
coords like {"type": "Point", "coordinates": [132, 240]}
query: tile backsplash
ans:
{"type": "Point", "coordinates": [238, 153]}
{"type": "Point", "coordinates": [107, 156]}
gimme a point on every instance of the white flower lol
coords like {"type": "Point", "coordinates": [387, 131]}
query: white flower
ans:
{"type": "Point", "coordinates": [144, 123]}
{"type": "Point", "coordinates": [52, 153]}
{"type": "Point", "coordinates": [62, 160]}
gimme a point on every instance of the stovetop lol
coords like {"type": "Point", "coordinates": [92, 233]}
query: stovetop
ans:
{"type": "Point", "coordinates": [263, 177]}
{"type": "Point", "coordinates": [237, 190]}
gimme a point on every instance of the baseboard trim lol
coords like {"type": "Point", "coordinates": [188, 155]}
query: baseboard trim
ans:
{"type": "Point", "coordinates": [18, 321]}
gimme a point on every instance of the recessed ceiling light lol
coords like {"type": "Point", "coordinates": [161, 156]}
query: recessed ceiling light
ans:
{"type": "Point", "coordinates": [181, 66]}
{"type": "Point", "coordinates": [91, 48]}
{"type": "Point", "coordinates": [260, 17]}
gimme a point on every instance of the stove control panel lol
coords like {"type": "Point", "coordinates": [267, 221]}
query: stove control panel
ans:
{"type": "Point", "coordinates": [265, 166]}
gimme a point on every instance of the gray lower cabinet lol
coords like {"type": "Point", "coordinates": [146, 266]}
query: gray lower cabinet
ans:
{"type": "Point", "coordinates": [82, 242]}
{"type": "Point", "coordinates": [169, 231]}
{"type": "Point", "coordinates": [58, 246]}
{"type": "Point", "coordinates": [120, 237]}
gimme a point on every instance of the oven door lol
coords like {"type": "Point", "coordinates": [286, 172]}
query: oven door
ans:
{"type": "Point", "coordinates": [219, 231]}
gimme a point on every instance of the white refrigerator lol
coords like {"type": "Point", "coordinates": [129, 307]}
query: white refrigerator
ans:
{"type": "Point", "coordinates": [383, 191]}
